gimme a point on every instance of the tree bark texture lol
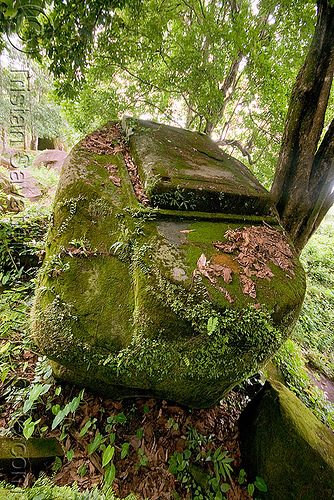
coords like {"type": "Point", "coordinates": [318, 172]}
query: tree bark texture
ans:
{"type": "Point", "coordinates": [26, 137]}
{"type": "Point", "coordinates": [303, 182]}
{"type": "Point", "coordinates": [34, 142]}
{"type": "Point", "coordinates": [4, 138]}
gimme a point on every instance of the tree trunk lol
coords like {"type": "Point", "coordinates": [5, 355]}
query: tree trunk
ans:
{"type": "Point", "coordinates": [302, 187]}
{"type": "Point", "coordinates": [34, 143]}
{"type": "Point", "coordinates": [26, 137]}
{"type": "Point", "coordinates": [4, 138]}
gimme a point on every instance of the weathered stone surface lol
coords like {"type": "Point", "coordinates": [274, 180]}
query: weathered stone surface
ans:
{"type": "Point", "coordinates": [29, 185]}
{"type": "Point", "coordinates": [19, 454]}
{"type": "Point", "coordinates": [183, 170]}
{"type": "Point", "coordinates": [10, 199]}
{"type": "Point", "coordinates": [139, 301]}
{"type": "Point", "coordinates": [52, 158]}
{"type": "Point", "coordinates": [287, 446]}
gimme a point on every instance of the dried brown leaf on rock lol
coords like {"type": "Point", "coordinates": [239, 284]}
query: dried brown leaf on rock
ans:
{"type": "Point", "coordinates": [227, 274]}
{"type": "Point", "coordinates": [226, 293]}
{"type": "Point", "coordinates": [248, 286]}
{"type": "Point", "coordinates": [212, 271]}
{"type": "Point", "coordinates": [254, 248]}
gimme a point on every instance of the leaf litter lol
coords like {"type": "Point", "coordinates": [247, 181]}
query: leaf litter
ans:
{"type": "Point", "coordinates": [109, 141]}
{"type": "Point", "coordinates": [253, 248]}
{"type": "Point", "coordinates": [152, 428]}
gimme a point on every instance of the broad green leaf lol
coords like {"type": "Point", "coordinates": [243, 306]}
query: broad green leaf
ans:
{"type": "Point", "coordinates": [120, 418]}
{"type": "Point", "coordinates": [99, 439]}
{"type": "Point", "coordinates": [125, 449]}
{"type": "Point", "coordinates": [242, 474]}
{"type": "Point", "coordinates": [225, 487]}
{"type": "Point", "coordinates": [251, 489]}
{"type": "Point", "coordinates": [37, 391]}
{"type": "Point", "coordinates": [139, 433]}
{"type": "Point", "coordinates": [108, 455]}
{"type": "Point", "coordinates": [85, 428]}
{"type": "Point", "coordinates": [29, 427]}
{"type": "Point", "coordinates": [260, 484]}
{"type": "Point", "coordinates": [10, 13]}
{"type": "Point", "coordinates": [57, 464]}
{"type": "Point", "coordinates": [109, 474]}
{"type": "Point", "coordinates": [60, 417]}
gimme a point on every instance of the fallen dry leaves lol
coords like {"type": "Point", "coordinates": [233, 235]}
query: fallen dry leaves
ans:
{"type": "Point", "coordinates": [159, 439]}
{"type": "Point", "coordinates": [211, 271]}
{"type": "Point", "coordinates": [254, 247]}
{"type": "Point", "coordinates": [109, 141]}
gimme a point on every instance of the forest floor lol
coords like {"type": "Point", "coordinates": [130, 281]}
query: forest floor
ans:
{"type": "Point", "coordinates": [145, 433]}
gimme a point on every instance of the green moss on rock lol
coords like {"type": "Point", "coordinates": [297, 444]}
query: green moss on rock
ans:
{"type": "Point", "coordinates": [121, 307]}
{"type": "Point", "coordinates": [288, 446]}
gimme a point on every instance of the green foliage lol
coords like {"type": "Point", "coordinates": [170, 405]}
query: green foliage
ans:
{"type": "Point", "coordinates": [313, 339]}
{"type": "Point", "coordinates": [70, 407]}
{"type": "Point", "coordinates": [40, 113]}
{"type": "Point", "coordinates": [21, 241]}
{"type": "Point", "coordinates": [205, 470]}
{"type": "Point", "coordinates": [204, 65]}
{"type": "Point", "coordinates": [47, 178]}
{"type": "Point", "coordinates": [108, 454]}
{"type": "Point", "coordinates": [29, 427]}
{"type": "Point", "coordinates": [292, 363]}
{"type": "Point", "coordinates": [44, 489]}
{"type": "Point", "coordinates": [35, 393]}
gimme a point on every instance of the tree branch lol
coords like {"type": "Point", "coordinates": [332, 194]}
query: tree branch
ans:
{"type": "Point", "coordinates": [266, 132]}
{"type": "Point", "coordinates": [199, 20]}
{"type": "Point", "coordinates": [236, 144]}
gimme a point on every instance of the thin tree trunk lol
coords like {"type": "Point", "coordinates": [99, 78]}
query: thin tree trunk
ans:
{"type": "Point", "coordinates": [4, 138]}
{"type": "Point", "coordinates": [34, 143]}
{"type": "Point", "coordinates": [300, 188]}
{"type": "Point", "coordinates": [26, 137]}
{"type": "Point", "coordinates": [227, 89]}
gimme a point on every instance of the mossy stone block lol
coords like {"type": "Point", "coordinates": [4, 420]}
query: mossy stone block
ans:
{"type": "Point", "coordinates": [121, 306]}
{"type": "Point", "coordinates": [187, 170]}
{"type": "Point", "coordinates": [286, 445]}
{"type": "Point", "coordinates": [18, 454]}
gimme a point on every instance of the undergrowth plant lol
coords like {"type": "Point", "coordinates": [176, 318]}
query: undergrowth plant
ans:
{"type": "Point", "coordinates": [21, 241]}
{"type": "Point", "coordinates": [44, 489]}
{"type": "Point", "coordinates": [205, 469]}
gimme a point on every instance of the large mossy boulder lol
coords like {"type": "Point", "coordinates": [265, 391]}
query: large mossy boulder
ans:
{"type": "Point", "coordinates": [166, 272]}
{"type": "Point", "coordinates": [285, 444]}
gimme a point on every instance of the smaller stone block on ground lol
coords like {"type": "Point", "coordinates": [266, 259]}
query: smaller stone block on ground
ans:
{"type": "Point", "coordinates": [19, 454]}
{"type": "Point", "coordinates": [29, 185]}
{"type": "Point", "coordinates": [51, 158]}
{"type": "Point", "coordinates": [286, 445]}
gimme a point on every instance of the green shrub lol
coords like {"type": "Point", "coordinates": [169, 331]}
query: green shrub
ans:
{"type": "Point", "coordinates": [44, 489]}
{"type": "Point", "coordinates": [312, 344]}
{"type": "Point", "coordinates": [21, 240]}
